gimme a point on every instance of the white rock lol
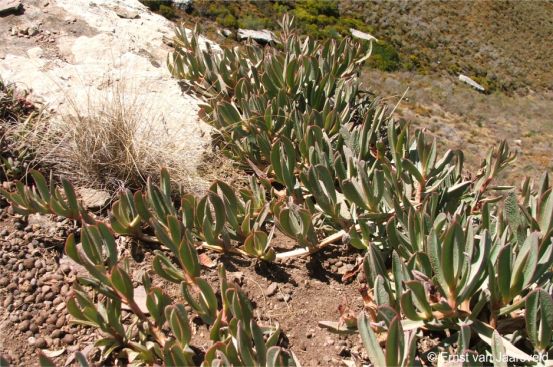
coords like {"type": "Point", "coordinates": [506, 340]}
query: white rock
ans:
{"type": "Point", "coordinates": [125, 13]}
{"type": "Point", "coordinates": [93, 199]}
{"type": "Point", "coordinates": [140, 297]}
{"type": "Point", "coordinates": [227, 32]}
{"type": "Point", "coordinates": [35, 52]}
{"type": "Point", "coordinates": [362, 35]}
{"type": "Point", "coordinates": [263, 36]}
{"type": "Point", "coordinates": [472, 83]}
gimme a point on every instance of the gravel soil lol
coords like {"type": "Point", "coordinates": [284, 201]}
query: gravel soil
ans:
{"type": "Point", "coordinates": [36, 280]}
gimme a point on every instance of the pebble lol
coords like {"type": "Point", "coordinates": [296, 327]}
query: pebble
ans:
{"type": "Point", "coordinates": [41, 343]}
{"type": "Point", "coordinates": [4, 281]}
{"type": "Point", "coordinates": [28, 263]}
{"type": "Point", "coordinates": [60, 322]}
{"type": "Point", "coordinates": [24, 325]}
{"type": "Point", "coordinates": [8, 300]}
{"type": "Point", "coordinates": [271, 289]}
{"type": "Point", "coordinates": [68, 339]}
{"type": "Point", "coordinates": [56, 334]}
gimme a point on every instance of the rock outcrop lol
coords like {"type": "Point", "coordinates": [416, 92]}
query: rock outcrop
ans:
{"type": "Point", "coordinates": [263, 36]}
{"type": "Point", "coordinates": [70, 52]}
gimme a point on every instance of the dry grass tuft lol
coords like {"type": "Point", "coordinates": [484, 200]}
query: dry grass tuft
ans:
{"type": "Point", "coordinates": [109, 143]}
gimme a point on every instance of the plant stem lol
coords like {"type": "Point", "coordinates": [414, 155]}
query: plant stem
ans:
{"type": "Point", "coordinates": [302, 251]}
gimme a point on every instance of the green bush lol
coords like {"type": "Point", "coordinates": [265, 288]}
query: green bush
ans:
{"type": "Point", "coordinates": [227, 21]}
{"type": "Point", "coordinates": [167, 11]}
{"type": "Point", "coordinates": [152, 4]}
{"type": "Point", "coordinates": [385, 57]}
{"type": "Point", "coordinates": [253, 22]}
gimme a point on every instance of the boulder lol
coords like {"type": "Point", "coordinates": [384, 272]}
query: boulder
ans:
{"type": "Point", "coordinates": [263, 36]}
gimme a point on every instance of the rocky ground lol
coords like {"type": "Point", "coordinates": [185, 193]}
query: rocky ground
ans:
{"type": "Point", "coordinates": [36, 280]}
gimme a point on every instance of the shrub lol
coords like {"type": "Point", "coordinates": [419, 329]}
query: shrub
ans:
{"type": "Point", "coordinates": [152, 4]}
{"type": "Point", "coordinates": [252, 22]}
{"type": "Point", "coordinates": [385, 57]}
{"type": "Point", "coordinates": [227, 21]}
{"type": "Point", "coordinates": [167, 11]}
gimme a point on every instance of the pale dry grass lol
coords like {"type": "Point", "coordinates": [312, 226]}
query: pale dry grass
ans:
{"type": "Point", "coordinates": [110, 142]}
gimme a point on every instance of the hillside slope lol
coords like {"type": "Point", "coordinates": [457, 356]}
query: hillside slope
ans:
{"type": "Point", "coordinates": [505, 45]}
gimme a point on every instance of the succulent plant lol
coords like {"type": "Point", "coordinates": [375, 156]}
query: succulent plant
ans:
{"type": "Point", "coordinates": [444, 251]}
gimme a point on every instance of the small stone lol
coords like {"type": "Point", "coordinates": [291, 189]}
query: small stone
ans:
{"type": "Point", "coordinates": [4, 281]}
{"type": "Point", "coordinates": [57, 334]}
{"type": "Point", "coordinates": [125, 13]}
{"type": "Point", "coordinates": [41, 343]}
{"type": "Point", "coordinates": [65, 268]}
{"type": "Point", "coordinates": [271, 289]}
{"type": "Point", "coordinates": [60, 322]}
{"type": "Point", "coordinates": [260, 36]}
{"type": "Point", "coordinates": [35, 52]}
{"type": "Point", "coordinates": [93, 199]}
{"type": "Point", "coordinates": [29, 299]}
{"type": "Point", "coordinates": [8, 300]}
{"type": "Point", "coordinates": [68, 339]}
{"type": "Point", "coordinates": [28, 263]}
{"type": "Point", "coordinates": [24, 326]}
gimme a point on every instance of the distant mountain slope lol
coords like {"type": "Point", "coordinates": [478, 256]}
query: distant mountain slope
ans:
{"type": "Point", "coordinates": [505, 45]}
